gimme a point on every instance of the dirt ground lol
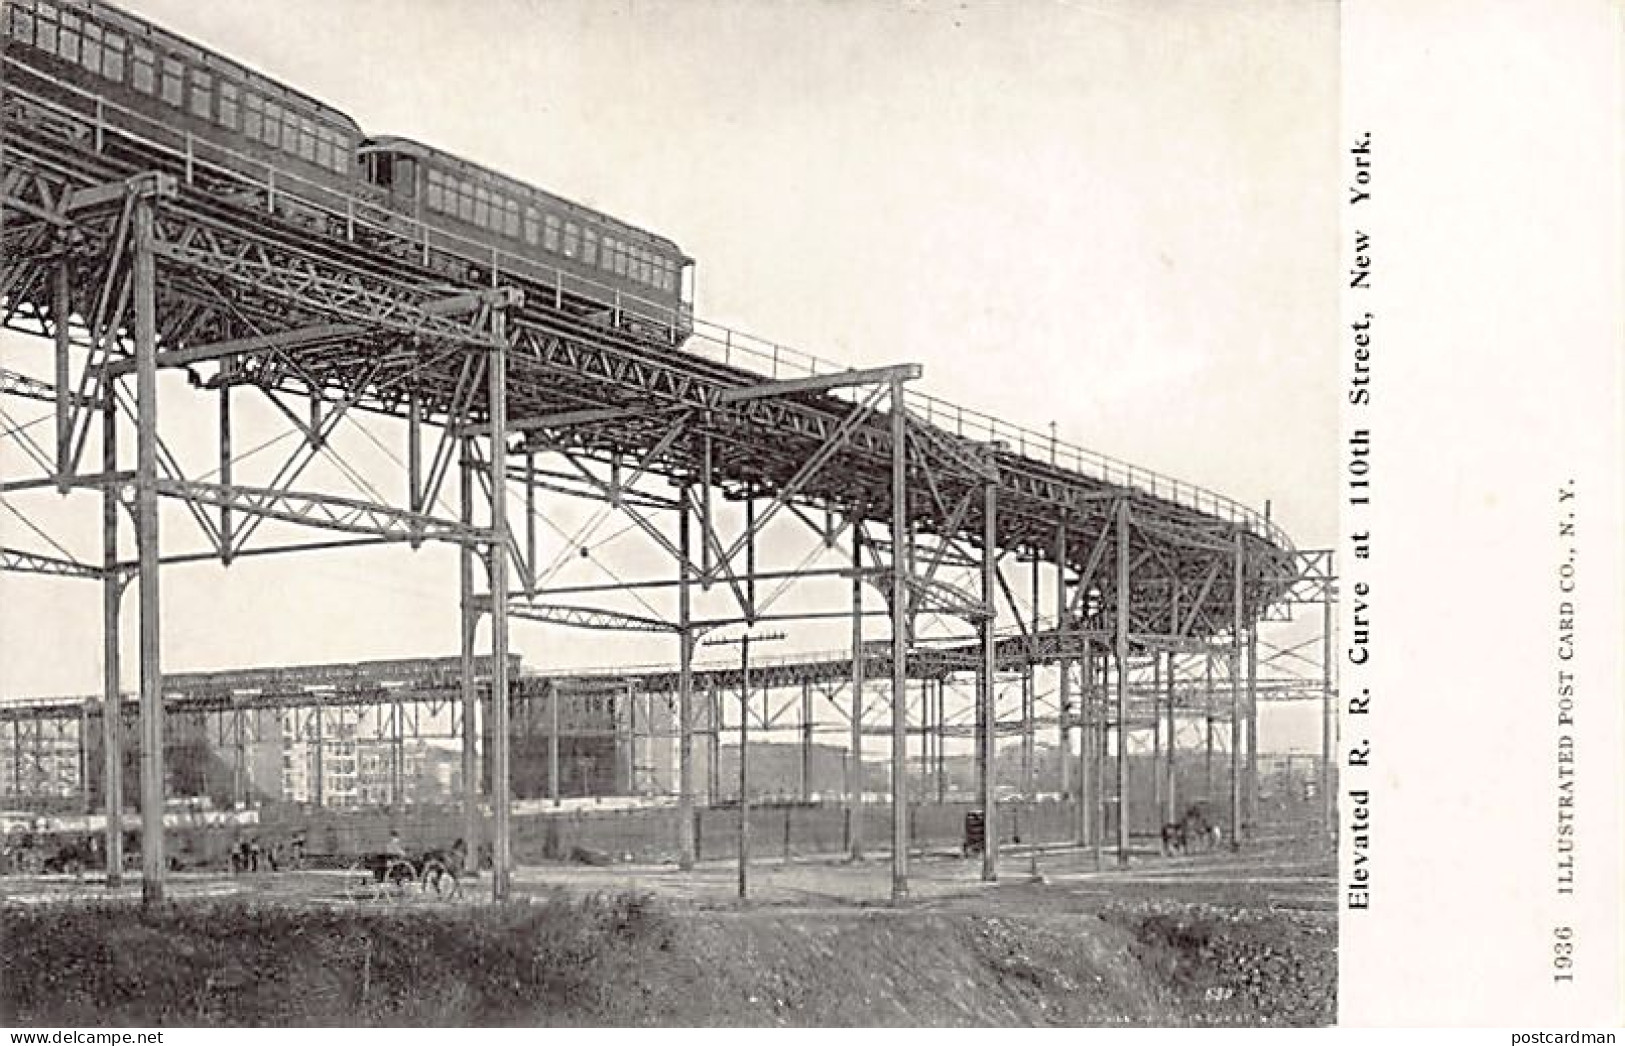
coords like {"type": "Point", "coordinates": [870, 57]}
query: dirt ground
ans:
{"type": "Point", "coordinates": [1210, 938]}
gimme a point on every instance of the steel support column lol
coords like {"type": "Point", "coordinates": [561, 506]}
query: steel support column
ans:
{"type": "Point", "coordinates": [854, 765]}
{"type": "Point", "coordinates": [1156, 733]}
{"type": "Point", "coordinates": [1093, 765]}
{"type": "Point", "coordinates": [397, 758]}
{"type": "Point", "coordinates": [713, 775]}
{"type": "Point", "coordinates": [1250, 814]}
{"type": "Point", "coordinates": [1122, 629]}
{"type": "Point", "coordinates": [497, 369]}
{"type": "Point", "coordinates": [1328, 715]}
{"type": "Point", "coordinates": [153, 862]}
{"type": "Point", "coordinates": [1064, 682]}
{"type": "Point", "coordinates": [553, 747]}
{"type": "Point", "coordinates": [685, 686]}
{"type": "Point", "coordinates": [239, 756]}
{"type": "Point", "coordinates": [82, 752]}
{"type": "Point", "coordinates": [61, 306]}
{"type": "Point", "coordinates": [1171, 801]}
{"type": "Point", "coordinates": [1027, 738]}
{"type": "Point", "coordinates": [899, 644]}
{"type": "Point", "coordinates": [1084, 793]}
{"type": "Point", "coordinates": [942, 732]}
{"type": "Point", "coordinates": [112, 702]}
{"type": "Point", "coordinates": [226, 522]}
{"type": "Point", "coordinates": [468, 624]}
{"type": "Point", "coordinates": [1236, 611]}
{"type": "Point", "coordinates": [806, 740]}
{"type": "Point", "coordinates": [1207, 706]}
{"type": "Point", "coordinates": [987, 706]}
{"type": "Point", "coordinates": [319, 717]}
{"type": "Point", "coordinates": [744, 764]}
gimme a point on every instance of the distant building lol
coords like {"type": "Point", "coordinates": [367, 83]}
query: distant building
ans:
{"type": "Point", "coordinates": [320, 757]}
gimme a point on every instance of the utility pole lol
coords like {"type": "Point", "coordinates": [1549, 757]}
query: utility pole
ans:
{"type": "Point", "coordinates": [744, 643]}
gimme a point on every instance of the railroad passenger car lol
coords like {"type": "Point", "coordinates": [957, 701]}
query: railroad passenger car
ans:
{"type": "Point", "coordinates": [146, 69]}
{"type": "Point", "coordinates": [310, 163]}
{"type": "Point", "coordinates": [565, 248]}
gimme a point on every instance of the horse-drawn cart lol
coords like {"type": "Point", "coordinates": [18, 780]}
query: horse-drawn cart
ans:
{"type": "Point", "coordinates": [435, 874]}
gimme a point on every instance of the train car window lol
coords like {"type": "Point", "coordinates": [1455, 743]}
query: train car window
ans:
{"type": "Point", "coordinates": [20, 24]}
{"type": "Point", "coordinates": [324, 148]}
{"type": "Point", "coordinates": [45, 28]}
{"type": "Point", "coordinates": [252, 109]}
{"type": "Point", "coordinates": [113, 57]}
{"type": "Point", "coordinates": [90, 51]}
{"type": "Point", "coordinates": [572, 239]}
{"type": "Point", "coordinates": [307, 139]}
{"type": "Point", "coordinates": [606, 254]}
{"type": "Point", "coordinates": [532, 230]}
{"type": "Point", "coordinates": [465, 202]}
{"type": "Point", "coordinates": [290, 131]}
{"type": "Point", "coordinates": [341, 152]}
{"type": "Point", "coordinates": [589, 247]}
{"type": "Point", "coordinates": [436, 199]}
{"type": "Point", "coordinates": [272, 131]}
{"type": "Point", "coordinates": [228, 104]}
{"type": "Point", "coordinates": [67, 44]}
{"type": "Point", "coordinates": [620, 259]}
{"type": "Point", "coordinates": [172, 82]}
{"type": "Point", "coordinates": [141, 69]}
{"type": "Point", "coordinates": [202, 100]}
{"type": "Point", "coordinates": [511, 225]}
{"type": "Point", "coordinates": [482, 207]}
{"type": "Point", "coordinates": [550, 236]}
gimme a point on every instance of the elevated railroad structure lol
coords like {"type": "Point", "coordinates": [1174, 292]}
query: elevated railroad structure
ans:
{"type": "Point", "coordinates": [134, 250]}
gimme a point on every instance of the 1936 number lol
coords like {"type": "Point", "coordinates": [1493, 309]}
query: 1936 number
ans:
{"type": "Point", "coordinates": [1563, 954]}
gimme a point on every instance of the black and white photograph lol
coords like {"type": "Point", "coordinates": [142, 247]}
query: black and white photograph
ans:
{"type": "Point", "coordinates": [816, 513]}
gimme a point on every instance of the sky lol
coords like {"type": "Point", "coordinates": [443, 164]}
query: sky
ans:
{"type": "Point", "coordinates": [1118, 218]}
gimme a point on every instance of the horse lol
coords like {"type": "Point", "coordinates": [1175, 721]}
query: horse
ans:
{"type": "Point", "coordinates": [1179, 836]}
{"type": "Point", "coordinates": [435, 867]}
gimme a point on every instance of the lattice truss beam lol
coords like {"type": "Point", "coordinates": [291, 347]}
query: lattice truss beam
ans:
{"type": "Point", "coordinates": [322, 327]}
{"type": "Point", "coordinates": [262, 307]}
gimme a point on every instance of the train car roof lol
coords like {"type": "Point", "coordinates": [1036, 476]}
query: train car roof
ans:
{"type": "Point", "coordinates": [135, 25]}
{"type": "Point", "coordinates": [412, 147]}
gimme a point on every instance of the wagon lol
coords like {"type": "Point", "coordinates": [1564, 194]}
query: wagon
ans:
{"type": "Point", "coordinates": [435, 874]}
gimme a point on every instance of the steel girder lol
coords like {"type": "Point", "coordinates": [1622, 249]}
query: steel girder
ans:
{"type": "Point", "coordinates": [291, 309]}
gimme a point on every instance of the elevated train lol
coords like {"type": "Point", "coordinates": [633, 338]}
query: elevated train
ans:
{"type": "Point", "coordinates": [453, 216]}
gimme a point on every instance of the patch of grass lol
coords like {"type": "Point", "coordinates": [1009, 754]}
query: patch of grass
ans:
{"type": "Point", "coordinates": [232, 964]}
